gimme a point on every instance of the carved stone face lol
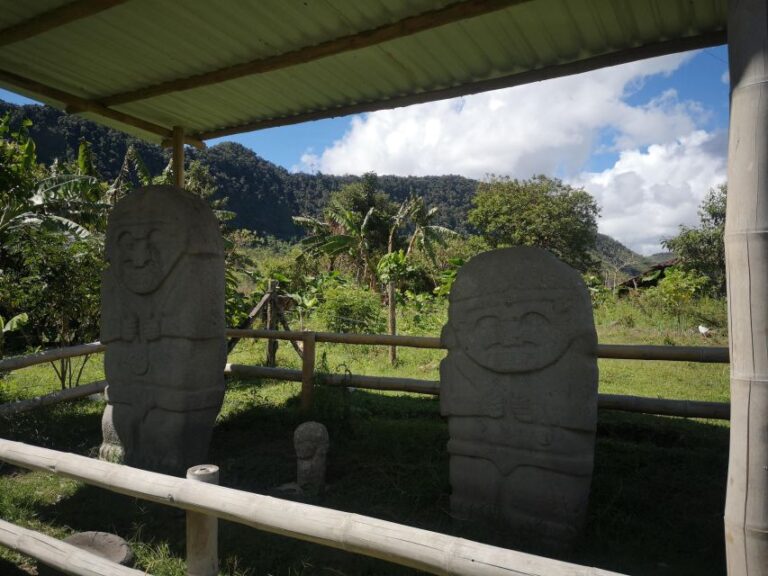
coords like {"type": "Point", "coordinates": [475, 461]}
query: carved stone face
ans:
{"type": "Point", "coordinates": [512, 336]}
{"type": "Point", "coordinates": [146, 254]}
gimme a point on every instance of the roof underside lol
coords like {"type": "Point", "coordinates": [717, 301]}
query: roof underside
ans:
{"type": "Point", "coordinates": [219, 68]}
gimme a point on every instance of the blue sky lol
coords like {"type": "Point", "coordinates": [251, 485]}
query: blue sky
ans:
{"type": "Point", "coordinates": [647, 139]}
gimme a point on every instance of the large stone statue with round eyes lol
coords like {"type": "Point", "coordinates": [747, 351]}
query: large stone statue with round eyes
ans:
{"type": "Point", "coordinates": [163, 324]}
{"type": "Point", "coordinates": [519, 388]}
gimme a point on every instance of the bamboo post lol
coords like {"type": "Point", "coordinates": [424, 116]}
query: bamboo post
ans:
{"type": "Point", "coordinates": [746, 251]}
{"type": "Point", "coordinates": [287, 328]}
{"type": "Point", "coordinates": [178, 156]}
{"type": "Point", "coordinates": [308, 372]}
{"type": "Point", "coordinates": [271, 323]}
{"type": "Point", "coordinates": [246, 323]}
{"type": "Point", "coordinates": [202, 529]}
{"type": "Point", "coordinates": [392, 320]}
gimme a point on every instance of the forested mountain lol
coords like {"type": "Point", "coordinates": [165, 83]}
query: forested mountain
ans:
{"type": "Point", "coordinates": [263, 195]}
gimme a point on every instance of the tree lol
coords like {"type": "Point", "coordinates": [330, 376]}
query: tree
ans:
{"type": "Point", "coordinates": [702, 248]}
{"type": "Point", "coordinates": [541, 212]}
{"type": "Point", "coordinates": [357, 225]}
{"type": "Point", "coordinates": [55, 279]}
{"type": "Point", "coordinates": [394, 265]}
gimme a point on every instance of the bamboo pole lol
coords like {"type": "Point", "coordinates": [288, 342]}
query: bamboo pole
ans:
{"type": "Point", "coordinates": [612, 351]}
{"type": "Point", "coordinates": [706, 354]}
{"type": "Point", "coordinates": [202, 529]}
{"type": "Point", "coordinates": [420, 549]}
{"type": "Point", "coordinates": [392, 320]}
{"type": "Point", "coordinates": [713, 354]}
{"type": "Point", "coordinates": [644, 405]}
{"type": "Point", "coordinates": [271, 323]}
{"type": "Point", "coordinates": [178, 156]}
{"type": "Point", "coordinates": [60, 555]}
{"type": "Point", "coordinates": [8, 364]}
{"type": "Point", "coordinates": [245, 324]}
{"type": "Point", "coordinates": [53, 398]}
{"type": "Point", "coordinates": [665, 406]}
{"type": "Point", "coordinates": [284, 324]}
{"type": "Point", "coordinates": [308, 372]}
{"type": "Point", "coordinates": [746, 251]}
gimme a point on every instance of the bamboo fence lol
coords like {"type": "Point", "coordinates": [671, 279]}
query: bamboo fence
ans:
{"type": "Point", "coordinates": [309, 377]}
{"type": "Point", "coordinates": [66, 558]}
{"type": "Point", "coordinates": [431, 552]}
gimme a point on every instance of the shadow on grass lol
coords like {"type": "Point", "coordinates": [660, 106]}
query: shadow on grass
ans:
{"type": "Point", "coordinates": [656, 505]}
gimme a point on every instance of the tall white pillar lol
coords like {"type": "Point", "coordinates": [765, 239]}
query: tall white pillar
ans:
{"type": "Point", "coordinates": [746, 247]}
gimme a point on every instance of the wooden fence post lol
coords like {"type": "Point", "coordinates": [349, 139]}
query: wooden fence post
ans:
{"type": "Point", "coordinates": [392, 320]}
{"type": "Point", "coordinates": [272, 323]}
{"type": "Point", "coordinates": [202, 529]}
{"type": "Point", "coordinates": [308, 371]}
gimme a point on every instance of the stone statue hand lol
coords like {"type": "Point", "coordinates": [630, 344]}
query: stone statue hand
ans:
{"type": "Point", "coordinates": [152, 329]}
{"type": "Point", "coordinates": [129, 328]}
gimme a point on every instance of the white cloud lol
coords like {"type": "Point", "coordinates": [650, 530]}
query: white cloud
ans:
{"type": "Point", "coordinates": [646, 195]}
{"type": "Point", "coordinates": [554, 127]}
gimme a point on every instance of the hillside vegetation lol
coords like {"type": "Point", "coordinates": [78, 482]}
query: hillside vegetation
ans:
{"type": "Point", "coordinates": [262, 195]}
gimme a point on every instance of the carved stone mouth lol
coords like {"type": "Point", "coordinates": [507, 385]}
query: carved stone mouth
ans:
{"type": "Point", "coordinates": [515, 345]}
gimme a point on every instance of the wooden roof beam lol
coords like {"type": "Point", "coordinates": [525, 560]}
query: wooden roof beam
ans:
{"type": "Point", "coordinates": [548, 72]}
{"type": "Point", "coordinates": [406, 27]}
{"type": "Point", "coordinates": [54, 19]}
{"type": "Point", "coordinates": [79, 104]}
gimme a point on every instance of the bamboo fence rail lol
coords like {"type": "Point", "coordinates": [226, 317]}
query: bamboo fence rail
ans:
{"type": "Point", "coordinates": [644, 405]}
{"type": "Point", "coordinates": [64, 557]}
{"type": "Point", "coordinates": [421, 549]}
{"type": "Point", "coordinates": [308, 377]}
{"type": "Point", "coordinates": [53, 398]}
{"type": "Point", "coordinates": [713, 354]}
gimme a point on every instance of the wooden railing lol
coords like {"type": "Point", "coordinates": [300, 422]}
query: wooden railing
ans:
{"type": "Point", "coordinates": [421, 549]}
{"type": "Point", "coordinates": [309, 377]}
{"type": "Point", "coordinates": [404, 545]}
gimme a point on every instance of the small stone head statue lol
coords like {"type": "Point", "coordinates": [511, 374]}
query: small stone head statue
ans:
{"type": "Point", "coordinates": [311, 443]}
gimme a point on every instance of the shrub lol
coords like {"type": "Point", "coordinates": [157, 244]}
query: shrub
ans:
{"type": "Point", "coordinates": [676, 292]}
{"type": "Point", "coordinates": [351, 309]}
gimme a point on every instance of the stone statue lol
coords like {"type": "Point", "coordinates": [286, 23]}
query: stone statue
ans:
{"type": "Point", "coordinates": [519, 388]}
{"type": "Point", "coordinates": [311, 443]}
{"type": "Point", "coordinates": [111, 449]}
{"type": "Point", "coordinates": [163, 324]}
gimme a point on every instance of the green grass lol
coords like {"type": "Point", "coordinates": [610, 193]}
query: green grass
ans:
{"type": "Point", "coordinates": [657, 496]}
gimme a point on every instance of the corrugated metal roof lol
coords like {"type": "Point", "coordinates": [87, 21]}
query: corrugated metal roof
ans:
{"type": "Point", "coordinates": [140, 43]}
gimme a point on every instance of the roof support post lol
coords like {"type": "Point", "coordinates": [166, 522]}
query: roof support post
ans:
{"type": "Point", "coordinates": [178, 156]}
{"type": "Point", "coordinates": [746, 246]}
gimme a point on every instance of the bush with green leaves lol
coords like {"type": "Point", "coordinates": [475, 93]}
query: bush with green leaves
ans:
{"type": "Point", "coordinates": [56, 280]}
{"type": "Point", "coordinates": [351, 309]}
{"type": "Point", "coordinates": [676, 292]}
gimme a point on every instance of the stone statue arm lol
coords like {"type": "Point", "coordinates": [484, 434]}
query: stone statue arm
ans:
{"type": "Point", "coordinates": [111, 329]}
{"type": "Point", "coordinates": [460, 395]}
{"type": "Point", "coordinates": [195, 307]}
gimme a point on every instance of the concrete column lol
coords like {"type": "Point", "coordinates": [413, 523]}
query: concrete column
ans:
{"type": "Point", "coordinates": [746, 246]}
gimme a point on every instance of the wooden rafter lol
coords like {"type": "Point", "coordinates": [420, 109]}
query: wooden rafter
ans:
{"type": "Point", "coordinates": [610, 59]}
{"type": "Point", "coordinates": [367, 38]}
{"type": "Point", "coordinates": [54, 18]}
{"type": "Point", "coordinates": [83, 105]}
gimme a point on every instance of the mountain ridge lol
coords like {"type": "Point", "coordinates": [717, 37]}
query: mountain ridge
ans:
{"type": "Point", "coordinates": [262, 194]}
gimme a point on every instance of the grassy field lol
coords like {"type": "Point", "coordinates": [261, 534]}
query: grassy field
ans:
{"type": "Point", "coordinates": [658, 488]}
